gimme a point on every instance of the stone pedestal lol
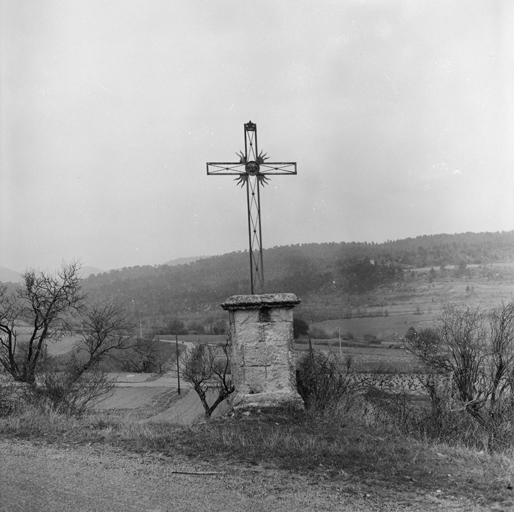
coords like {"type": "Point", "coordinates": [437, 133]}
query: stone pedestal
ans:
{"type": "Point", "coordinates": [262, 360]}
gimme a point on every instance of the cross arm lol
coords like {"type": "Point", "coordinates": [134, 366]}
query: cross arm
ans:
{"type": "Point", "coordinates": [277, 168]}
{"type": "Point", "coordinates": [225, 168]}
{"type": "Point", "coordinates": [237, 168]}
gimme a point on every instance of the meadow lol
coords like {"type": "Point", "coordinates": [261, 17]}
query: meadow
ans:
{"type": "Point", "coordinates": [382, 319]}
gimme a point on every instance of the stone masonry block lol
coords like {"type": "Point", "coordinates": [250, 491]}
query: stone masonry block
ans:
{"type": "Point", "coordinates": [261, 330]}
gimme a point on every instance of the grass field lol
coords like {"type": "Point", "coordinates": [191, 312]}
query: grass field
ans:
{"type": "Point", "coordinates": [366, 359]}
{"type": "Point", "coordinates": [195, 338]}
{"type": "Point", "coordinates": [385, 315]}
{"type": "Point", "coordinates": [55, 348]}
{"type": "Point", "coordinates": [419, 303]}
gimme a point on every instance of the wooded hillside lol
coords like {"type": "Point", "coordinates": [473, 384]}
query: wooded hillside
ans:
{"type": "Point", "coordinates": [344, 271]}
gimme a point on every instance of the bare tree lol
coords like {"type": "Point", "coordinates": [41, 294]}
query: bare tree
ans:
{"type": "Point", "coordinates": [42, 311]}
{"type": "Point", "coordinates": [463, 352]}
{"type": "Point", "coordinates": [144, 356]}
{"type": "Point", "coordinates": [105, 330]}
{"type": "Point", "coordinates": [34, 315]}
{"type": "Point", "coordinates": [9, 329]}
{"type": "Point", "coordinates": [475, 350]}
{"type": "Point", "coordinates": [207, 368]}
{"type": "Point", "coordinates": [70, 392]}
{"type": "Point", "coordinates": [501, 368]}
{"type": "Point", "coordinates": [78, 382]}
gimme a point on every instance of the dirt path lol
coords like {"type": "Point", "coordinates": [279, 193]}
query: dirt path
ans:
{"type": "Point", "coordinates": [84, 479]}
{"type": "Point", "coordinates": [49, 478]}
{"type": "Point", "coordinates": [137, 391]}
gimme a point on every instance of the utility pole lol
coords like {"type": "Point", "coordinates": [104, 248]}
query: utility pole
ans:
{"type": "Point", "coordinates": [178, 365]}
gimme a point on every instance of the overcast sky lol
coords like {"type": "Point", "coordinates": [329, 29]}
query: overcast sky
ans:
{"type": "Point", "coordinates": [399, 114]}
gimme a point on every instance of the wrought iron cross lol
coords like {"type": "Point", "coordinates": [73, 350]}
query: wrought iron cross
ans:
{"type": "Point", "coordinates": [252, 170]}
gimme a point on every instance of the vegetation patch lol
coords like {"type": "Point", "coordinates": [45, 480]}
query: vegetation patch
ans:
{"type": "Point", "coordinates": [328, 447]}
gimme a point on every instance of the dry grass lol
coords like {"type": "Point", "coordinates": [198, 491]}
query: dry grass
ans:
{"type": "Point", "coordinates": [352, 443]}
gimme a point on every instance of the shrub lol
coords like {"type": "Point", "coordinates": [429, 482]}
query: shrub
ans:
{"type": "Point", "coordinates": [300, 328]}
{"type": "Point", "coordinates": [321, 381]}
{"type": "Point", "coordinates": [10, 396]}
{"type": "Point", "coordinates": [63, 391]}
{"type": "Point", "coordinates": [470, 358]}
{"type": "Point", "coordinates": [371, 339]}
{"type": "Point", "coordinates": [317, 333]}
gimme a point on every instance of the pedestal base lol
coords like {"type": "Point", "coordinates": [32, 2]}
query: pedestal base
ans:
{"type": "Point", "coordinates": [267, 400]}
{"type": "Point", "coordinates": [262, 359]}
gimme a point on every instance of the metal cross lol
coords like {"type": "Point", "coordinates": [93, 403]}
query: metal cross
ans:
{"type": "Point", "coordinates": [252, 170]}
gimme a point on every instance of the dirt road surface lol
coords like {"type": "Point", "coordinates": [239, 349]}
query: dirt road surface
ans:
{"type": "Point", "coordinates": [136, 391]}
{"type": "Point", "coordinates": [86, 479]}
{"type": "Point", "coordinates": [50, 478]}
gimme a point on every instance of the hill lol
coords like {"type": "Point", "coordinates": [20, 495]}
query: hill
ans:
{"type": "Point", "coordinates": [87, 271]}
{"type": "Point", "coordinates": [9, 276]}
{"type": "Point", "coordinates": [330, 278]}
{"type": "Point", "coordinates": [184, 261]}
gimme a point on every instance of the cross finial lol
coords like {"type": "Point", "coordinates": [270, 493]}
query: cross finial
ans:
{"type": "Point", "coordinates": [252, 170]}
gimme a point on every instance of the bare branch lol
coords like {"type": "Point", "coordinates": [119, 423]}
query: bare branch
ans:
{"type": "Point", "coordinates": [206, 368]}
{"type": "Point", "coordinates": [43, 301]}
{"type": "Point", "coordinates": [105, 328]}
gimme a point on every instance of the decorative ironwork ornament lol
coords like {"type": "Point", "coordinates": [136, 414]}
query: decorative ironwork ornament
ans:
{"type": "Point", "coordinates": [252, 170]}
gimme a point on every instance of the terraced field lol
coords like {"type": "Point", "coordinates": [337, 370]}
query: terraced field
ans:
{"type": "Point", "coordinates": [419, 302]}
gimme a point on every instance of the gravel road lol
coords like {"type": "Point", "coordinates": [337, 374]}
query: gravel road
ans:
{"type": "Point", "coordinates": [50, 478]}
{"type": "Point", "coordinates": [88, 478]}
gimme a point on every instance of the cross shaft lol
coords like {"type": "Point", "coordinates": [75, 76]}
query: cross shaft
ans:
{"type": "Point", "coordinates": [252, 170]}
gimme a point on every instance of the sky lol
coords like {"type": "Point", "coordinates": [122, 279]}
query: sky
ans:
{"type": "Point", "coordinates": [399, 114]}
